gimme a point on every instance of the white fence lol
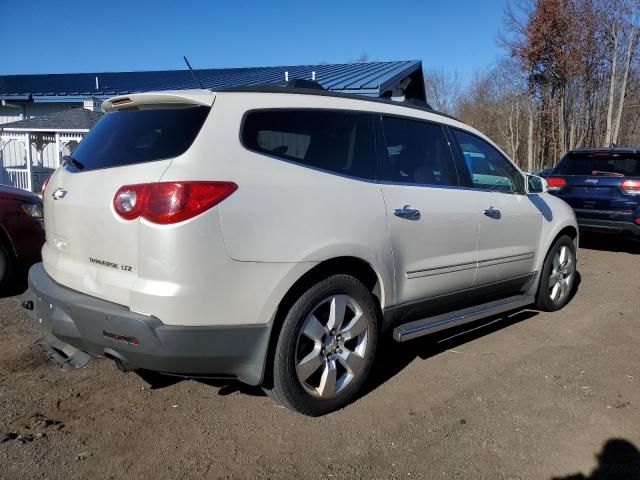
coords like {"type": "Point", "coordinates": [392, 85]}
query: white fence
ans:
{"type": "Point", "coordinates": [17, 177]}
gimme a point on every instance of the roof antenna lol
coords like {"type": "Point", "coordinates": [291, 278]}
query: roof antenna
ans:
{"type": "Point", "coordinates": [193, 74]}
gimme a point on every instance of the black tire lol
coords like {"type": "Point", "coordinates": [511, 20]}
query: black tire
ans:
{"type": "Point", "coordinates": [7, 266]}
{"type": "Point", "coordinates": [544, 299]}
{"type": "Point", "coordinates": [298, 395]}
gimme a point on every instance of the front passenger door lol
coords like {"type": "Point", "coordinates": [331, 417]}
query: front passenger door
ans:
{"type": "Point", "coordinates": [510, 223]}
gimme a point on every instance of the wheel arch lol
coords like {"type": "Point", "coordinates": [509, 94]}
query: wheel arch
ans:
{"type": "Point", "coordinates": [346, 265]}
{"type": "Point", "coordinates": [5, 240]}
{"type": "Point", "coordinates": [573, 233]}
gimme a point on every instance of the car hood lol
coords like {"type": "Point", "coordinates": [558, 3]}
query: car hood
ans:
{"type": "Point", "coordinates": [18, 194]}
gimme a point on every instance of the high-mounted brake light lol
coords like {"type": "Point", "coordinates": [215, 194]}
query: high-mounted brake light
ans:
{"type": "Point", "coordinates": [121, 101]}
{"type": "Point", "coordinates": [555, 184]}
{"type": "Point", "coordinates": [169, 202]}
{"type": "Point", "coordinates": [630, 187]}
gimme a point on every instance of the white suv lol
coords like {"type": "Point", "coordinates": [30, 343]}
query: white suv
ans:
{"type": "Point", "coordinates": [271, 234]}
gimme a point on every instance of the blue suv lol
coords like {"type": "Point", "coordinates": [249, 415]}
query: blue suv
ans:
{"type": "Point", "coordinates": [602, 186]}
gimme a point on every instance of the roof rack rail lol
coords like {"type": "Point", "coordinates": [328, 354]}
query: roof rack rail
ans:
{"type": "Point", "coordinates": [309, 87]}
{"type": "Point", "coordinates": [419, 103]}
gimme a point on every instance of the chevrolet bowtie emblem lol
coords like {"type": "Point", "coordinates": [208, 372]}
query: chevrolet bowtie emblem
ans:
{"type": "Point", "coordinates": [59, 193]}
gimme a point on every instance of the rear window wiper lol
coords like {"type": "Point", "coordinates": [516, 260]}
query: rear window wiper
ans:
{"type": "Point", "coordinates": [69, 159]}
{"type": "Point", "coordinates": [609, 174]}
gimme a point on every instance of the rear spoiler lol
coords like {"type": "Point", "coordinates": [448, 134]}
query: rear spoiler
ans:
{"type": "Point", "coordinates": [141, 100]}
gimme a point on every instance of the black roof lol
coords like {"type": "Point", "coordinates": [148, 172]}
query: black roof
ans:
{"type": "Point", "coordinates": [611, 149]}
{"type": "Point", "coordinates": [73, 119]}
{"type": "Point", "coordinates": [414, 103]}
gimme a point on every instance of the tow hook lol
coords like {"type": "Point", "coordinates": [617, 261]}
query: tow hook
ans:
{"type": "Point", "coordinates": [27, 304]}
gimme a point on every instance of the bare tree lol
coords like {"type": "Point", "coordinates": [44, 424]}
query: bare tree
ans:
{"type": "Point", "coordinates": [570, 78]}
{"type": "Point", "coordinates": [631, 39]}
{"type": "Point", "coordinates": [443, 89]}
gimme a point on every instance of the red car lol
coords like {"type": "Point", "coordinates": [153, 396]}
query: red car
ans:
{"type": "Point", "coordinates": [21, 233]}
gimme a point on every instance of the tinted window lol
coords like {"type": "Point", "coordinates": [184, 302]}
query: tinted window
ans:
{"type": "Point", "coordinates": [341, 142]}
{"type": "Point", "coordinates": [417, 152]}
{"type": "Point", "coordinates": [605, 163]}
{"type": "Point", "coordinates": [136, 136]}
{"type": "Point", "coordinates": [488, 169]}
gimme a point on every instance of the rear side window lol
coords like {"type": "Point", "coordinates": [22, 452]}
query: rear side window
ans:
{"type": "Point", "coordinates": [597, 163]}
{"type": "Point", "coordinates": [137, 136]}
{"type": "Point", "coordinates": [338, 141]}
{"type": "Point", "coordinates": [417, 153]}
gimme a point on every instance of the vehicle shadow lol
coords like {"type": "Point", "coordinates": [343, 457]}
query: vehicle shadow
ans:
{"type": "Point", "coordinates": [393, 357]}
{"type": "Point", "coordinates": [16, 286]}
{"type": "Point", "coordinates": [609, 243]}
{"type": "Point", "coordinates": [225, 386]}
{"type": "Point", "coordinates": [619, 460]}
{"type": "Point", "coordinates": [396, 355]}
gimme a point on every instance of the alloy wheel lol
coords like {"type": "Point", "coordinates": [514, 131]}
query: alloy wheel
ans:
{"type": "Point", "coordinates": [562, 274]}
{"type": "Point", "coordinates": [331, 346]}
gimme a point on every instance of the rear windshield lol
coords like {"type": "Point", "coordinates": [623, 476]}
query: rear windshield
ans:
{"type": "Point", "coordinates": [137, 136]}
{"type": "Point", "coordinates": [605, 163]}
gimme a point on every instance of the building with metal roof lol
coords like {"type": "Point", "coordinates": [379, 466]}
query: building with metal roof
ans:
{"type": "Point", "coordinates": [38, 128]}
{"type": "Point", "coordinates": [371, 78]}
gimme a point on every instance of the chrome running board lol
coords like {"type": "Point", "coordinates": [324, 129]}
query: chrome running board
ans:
{"type": "Point", "coordinates": [418, 328]}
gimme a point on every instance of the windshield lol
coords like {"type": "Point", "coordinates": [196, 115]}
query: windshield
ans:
{"type": "Point", "coordinates": [600, 164]}
{"type": "Point", "coordinates": [137, 136]}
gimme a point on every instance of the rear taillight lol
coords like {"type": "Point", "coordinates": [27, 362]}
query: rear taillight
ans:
{"type": "Point", "coordinates": [44, 186]}
{"type": "Point", "coordinates": [169, 202]}
{"type": "Point", "coordinates": [630, 187]}
{"type": "Point", "coordinates": [555, 184]}
{"type": "Point", "coordinates": [129, 200]}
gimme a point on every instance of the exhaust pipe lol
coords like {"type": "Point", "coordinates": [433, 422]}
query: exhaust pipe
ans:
{"type": "Point", "coordinates": [121, 363]}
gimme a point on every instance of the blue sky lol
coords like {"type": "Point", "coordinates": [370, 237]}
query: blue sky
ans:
{"type": "Point", "coordinates": [86, 36]}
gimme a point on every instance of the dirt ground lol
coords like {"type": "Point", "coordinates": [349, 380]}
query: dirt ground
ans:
{"type": "Point", "coordinates": [529, 396]}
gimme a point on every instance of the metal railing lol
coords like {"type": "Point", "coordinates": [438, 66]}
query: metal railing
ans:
{"type": "Point", "coordinates": [18, 177]}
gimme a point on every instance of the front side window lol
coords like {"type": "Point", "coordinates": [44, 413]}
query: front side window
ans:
{"type": "Point", "coordinates": [488, 169]}
{"type": "Point", "coordinates": [338, 141]}
{"type": "Point", "coordinates": [417, 153]}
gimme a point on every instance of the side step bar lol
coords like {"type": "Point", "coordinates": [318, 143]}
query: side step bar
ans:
{"type": "Point", "coordinates": [418, 328]}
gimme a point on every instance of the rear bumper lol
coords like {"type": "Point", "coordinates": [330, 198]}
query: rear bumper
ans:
{"type": "Point", "coordinates": [608, 226]}
{"type": "Point", "coordinates": [106, 329]}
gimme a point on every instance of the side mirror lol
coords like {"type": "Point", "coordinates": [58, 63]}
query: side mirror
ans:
{"type": "Point", "coordinates": [536, 184]}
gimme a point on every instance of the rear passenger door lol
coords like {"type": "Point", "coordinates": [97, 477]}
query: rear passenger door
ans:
{"type": "Point", "coordinates": [433, 223]}
{"type": "Point", "coordinates": [510, 222]}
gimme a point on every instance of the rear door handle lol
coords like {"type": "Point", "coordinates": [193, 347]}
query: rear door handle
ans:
{"type": "Point", "coordinates": [408, 213]}
{"type": "Point", "coordinates": [492, 212]}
